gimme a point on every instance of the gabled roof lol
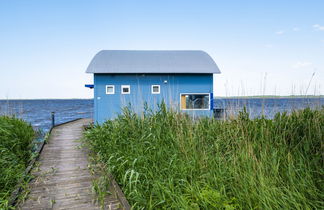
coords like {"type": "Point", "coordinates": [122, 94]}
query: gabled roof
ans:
{"type": "Point", "coordinates": [132, 61]}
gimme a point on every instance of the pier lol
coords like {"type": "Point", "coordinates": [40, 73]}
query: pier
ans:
{"type": "Point", "coordinates": [62, 176]}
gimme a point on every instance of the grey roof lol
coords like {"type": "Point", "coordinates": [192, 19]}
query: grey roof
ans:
{"type": "Point", "coordinates": [132, 61]}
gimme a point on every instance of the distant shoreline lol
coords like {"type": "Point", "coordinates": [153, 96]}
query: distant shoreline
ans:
{"type": "Point", "coordinates": [216, 97]}
{"type": "Point", "coordinates": [269, 97]}
{"type": "Point", "coordinates": [42, 99]}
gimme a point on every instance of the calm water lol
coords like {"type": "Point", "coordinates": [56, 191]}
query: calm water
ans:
{"type": "Point", "coordinates": [267, 106]}
{"type": "Point", "coordinates": [38, 112]}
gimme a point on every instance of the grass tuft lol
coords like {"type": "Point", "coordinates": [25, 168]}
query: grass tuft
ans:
{"type": "Point", "coordinates": [16, 143]}
{"type": "Point", "coordinates": [167, 160]}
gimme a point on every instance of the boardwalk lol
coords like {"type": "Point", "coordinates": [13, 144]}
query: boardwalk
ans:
{"type": "Point", "coordinates": [63, 180]}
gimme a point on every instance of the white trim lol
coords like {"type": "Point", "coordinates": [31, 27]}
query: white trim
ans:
{"type": "Point", "coordinates": [155, 92]}
{"type": "Point", "coordinates": [195, 94]}
{"type": "Point", "coordinates": [122, 89]}
{"type": "Point", "coordinates": [108, 93]}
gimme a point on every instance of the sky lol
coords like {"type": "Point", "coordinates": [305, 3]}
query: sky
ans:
{"type": "Point", "coordinates": [261, 47]}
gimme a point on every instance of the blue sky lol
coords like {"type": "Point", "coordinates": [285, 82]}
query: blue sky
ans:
{"type": "Point", "coordinates": [261, 47]}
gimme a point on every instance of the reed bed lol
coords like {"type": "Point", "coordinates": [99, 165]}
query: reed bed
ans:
{"type": "Point", "coordinates": [16, 142]}
{"type": "Point", "coordinates": [166, 160]}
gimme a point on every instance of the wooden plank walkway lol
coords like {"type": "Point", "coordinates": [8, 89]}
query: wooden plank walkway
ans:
{"type": "Point", "coordinates": [63, 180]}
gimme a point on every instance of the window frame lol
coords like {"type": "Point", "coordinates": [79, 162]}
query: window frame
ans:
{"type": "Point", "coordinates": [122, 89]}
{"type": "Point", "coordinates": [195, 94]}
{"type": "Point", "coordinates": [152, 88]}
{"type": "Point", "coordinates": [110, 93]}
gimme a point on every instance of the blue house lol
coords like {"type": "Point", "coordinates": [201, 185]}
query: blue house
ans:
{"type": "Point", "coordinates": [183, 79]}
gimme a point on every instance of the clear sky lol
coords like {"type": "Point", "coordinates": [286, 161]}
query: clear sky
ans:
{"type": "Point", "coordinates": [261, 47]}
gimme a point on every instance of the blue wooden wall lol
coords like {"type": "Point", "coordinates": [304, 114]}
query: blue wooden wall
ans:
{"type": "Point", "coordinates": [109, 106]}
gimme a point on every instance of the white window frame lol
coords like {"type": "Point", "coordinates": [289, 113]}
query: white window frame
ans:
{"type": "Point", "coordinates": [195, 94]}
{"type": "Point", "coordinates": [152, 88]}
{"type": "Point", "coordinates": [122, 89]}
{"type": "Point", "coordinates": [110, 93]}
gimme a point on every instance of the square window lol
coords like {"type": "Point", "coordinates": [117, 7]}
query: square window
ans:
{"type": "Point", "coordinates": [195, 101]}
{"type": "Point", "coordinates": [125, 89]}
{"type": "Point", "coordinates": [110, 89]}
{"type": "Point", "coordinates": [155, 89]}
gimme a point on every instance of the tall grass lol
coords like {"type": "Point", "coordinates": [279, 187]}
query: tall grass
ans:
{"type": "Point", "coordinates": [16, 140]}
{"type": "Point", "coordinates": [165, 160]}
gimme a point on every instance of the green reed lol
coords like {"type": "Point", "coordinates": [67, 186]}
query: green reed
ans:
{"type": "Point", "coordinates": [166, 160]}
{"type": "Point", "coordinates": [16, 141]}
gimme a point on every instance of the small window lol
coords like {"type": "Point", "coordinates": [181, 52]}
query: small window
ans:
{"type": "Point", "coordinates": [195, 101]}
{"type": "Point", "coordinates": [125, 89]}
{"type": "Point", "coordinates": [155, 89]}
{"type": "Point", "coordinates": [110, 89]}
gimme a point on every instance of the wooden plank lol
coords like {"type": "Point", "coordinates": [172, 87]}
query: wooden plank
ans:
{"type": "Point", "coordinates": [62, 179]}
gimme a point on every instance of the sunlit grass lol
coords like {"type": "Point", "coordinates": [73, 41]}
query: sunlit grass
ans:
{"type": "Point", "coordinates": [167, 160]}
{"type": "Point", "coordinates": [16, 140]}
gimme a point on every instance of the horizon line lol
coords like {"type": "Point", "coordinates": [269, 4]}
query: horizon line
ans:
{"type": "Point", "coordinates": [248, 96]}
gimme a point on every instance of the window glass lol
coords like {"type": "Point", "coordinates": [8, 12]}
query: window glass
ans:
{"type": "Point", "coordinates": [125, 89]}
{"type": "Point", "coordinates": [155, 89]}
{"type": "Point", "coordinates": [194, 101]}
{"type": "Point", "coordinates": [110, 89]}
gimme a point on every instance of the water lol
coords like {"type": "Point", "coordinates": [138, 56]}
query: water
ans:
{"type": "Point", "coordinates": [38, 112]}
{"type": "Point", "coordinates": [268, 107]}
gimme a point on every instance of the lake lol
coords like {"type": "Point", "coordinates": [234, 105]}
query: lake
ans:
{"type": "Point", "coordinates": [38, 112]}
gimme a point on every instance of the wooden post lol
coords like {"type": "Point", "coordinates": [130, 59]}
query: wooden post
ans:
{"type": "Point", "coordinates": [53, 119]}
